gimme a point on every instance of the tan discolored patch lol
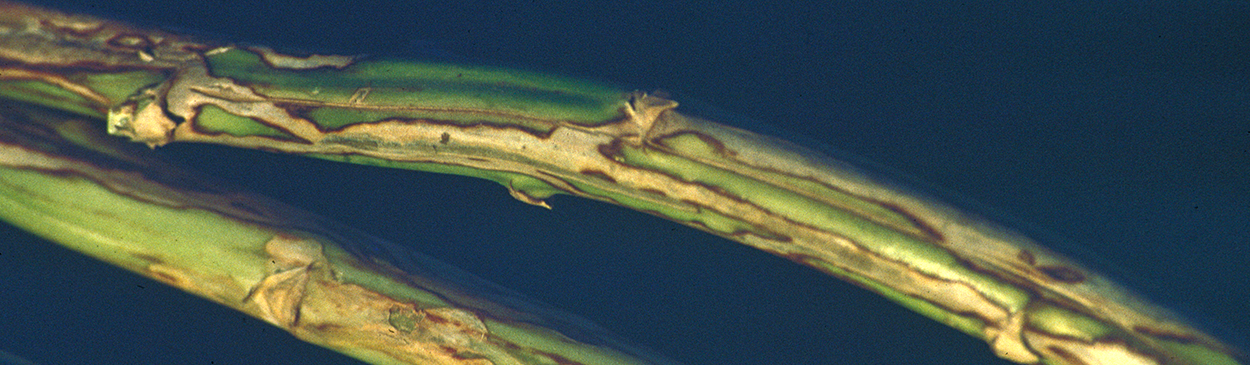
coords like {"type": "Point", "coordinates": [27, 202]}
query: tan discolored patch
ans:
{"type": "Point", "coordinates": [279, 296]}
{"type": "Point", "coordinates": [279, 60]}
{"type": "Point", "coordinates": [289, 252]}
{"type": "Point", "coordinates": [141, 121]}
{"type": "Point", "coordinates": [132, 42]}
{"type": "Point", "coordinates": [1008, 342]}
{"type": "Point", "coordinates": [302, 295]}
{"type": "Point", "coordinates": [1081, 352]}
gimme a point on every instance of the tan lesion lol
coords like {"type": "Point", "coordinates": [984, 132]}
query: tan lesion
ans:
{"type": "Point", "coordinates": [284, 61]}
{"type": "Point", "coordinates": [302, 296]}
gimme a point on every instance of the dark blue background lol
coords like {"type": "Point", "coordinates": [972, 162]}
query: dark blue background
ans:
{"type": "Point", "coordinates": [1118, 130]}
